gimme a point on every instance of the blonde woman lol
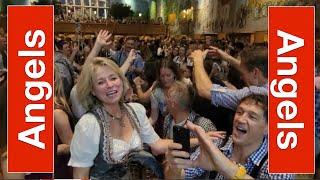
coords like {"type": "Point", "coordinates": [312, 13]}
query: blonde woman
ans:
{"type": "Point", "coordinates": [104, 137]}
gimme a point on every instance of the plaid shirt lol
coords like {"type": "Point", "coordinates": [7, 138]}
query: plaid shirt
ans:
{"type": "Point", "coordinates": [203, 122]}
{"type": "Point", "coordinates": [317, 113]}
{"type": "Point", "coordinates": [254, 159]}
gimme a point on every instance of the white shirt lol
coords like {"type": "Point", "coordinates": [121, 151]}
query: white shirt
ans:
{"type": "Point", "coordinates": [77, 108]}
{"type": "Point", "coordinates": [121, 148]}
{"type": "Point", "coordinates": [86, 138]}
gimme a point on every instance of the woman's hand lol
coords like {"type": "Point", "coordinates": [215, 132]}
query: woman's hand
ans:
{"type": "Point", "coordinates": [132, 55]}
{"type": "Point", "coordinates": [104, 39]}
{"type": "Point", "coordinates": [138, 81]}
{"type": "Point", "coordinates": [214, 135]}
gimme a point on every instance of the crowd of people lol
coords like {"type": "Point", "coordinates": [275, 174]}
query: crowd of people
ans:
{"type": "Point", "coordinates": [72, 17]}
{"type": "Point", "coordinates": [117, 100]}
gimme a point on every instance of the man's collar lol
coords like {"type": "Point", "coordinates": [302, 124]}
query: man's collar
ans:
{"type": "Point", "coordinates": [257, 155]}
{"type": "Point", "coordinates": [191, 117]}
{"type": "Point", "coordinates": [228, 147]}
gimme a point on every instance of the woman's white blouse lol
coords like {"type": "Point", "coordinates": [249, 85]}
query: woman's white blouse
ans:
{"type": "Point", "coordinates": [86, 138]}
{"type": "Point", "coordinates": [121, 148]}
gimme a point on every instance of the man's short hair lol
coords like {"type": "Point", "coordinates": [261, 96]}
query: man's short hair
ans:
{"type": "Point", "coordinates": [260, 100]}
{"type": "Point", "coordinates": [256, 58]}
{"type": "Point", "coordinates": [134, 38]}
{"type": "Point", "coordinates": [59, 44]}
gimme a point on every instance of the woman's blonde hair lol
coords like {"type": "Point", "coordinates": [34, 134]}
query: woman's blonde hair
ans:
{"type": "Point", "coordinates": [59, 95]}
{"type": "Point", "coordinates": [85, 80]}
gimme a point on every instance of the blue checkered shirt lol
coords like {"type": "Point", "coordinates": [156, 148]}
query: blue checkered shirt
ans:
{"type": "Point", "coordinates": [317, 113]}
{"type": "Point", "coordinates": [229, 98]}
{"type": "Point", "coordinates": [254, 159]}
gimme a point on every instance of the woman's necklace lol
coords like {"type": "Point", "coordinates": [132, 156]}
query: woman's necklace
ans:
{"type": "Point", "coordinates": [120, 119]}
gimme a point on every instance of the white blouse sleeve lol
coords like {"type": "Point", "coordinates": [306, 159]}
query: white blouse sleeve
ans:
{"type": "Point", "coordinates": [147, 133]}
{"type": "Point", "coordinates": [77, 108]}
{"type": "Point", "coordinates": [85, 142]}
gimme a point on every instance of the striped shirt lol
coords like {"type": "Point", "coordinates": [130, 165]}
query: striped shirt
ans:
{"type": "Point", "coordinates": [229, 98]}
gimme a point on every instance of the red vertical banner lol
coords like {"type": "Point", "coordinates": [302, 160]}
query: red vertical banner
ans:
{"type": "Point", "coordinates": [291, 93]}
{"type": "Point", "coordinates": [30, 88]}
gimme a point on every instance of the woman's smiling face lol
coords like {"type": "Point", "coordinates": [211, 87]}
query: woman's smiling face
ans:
{"type": "Point", "coordinates": [107, 85]}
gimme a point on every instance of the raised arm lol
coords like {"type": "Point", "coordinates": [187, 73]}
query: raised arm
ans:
{"type": "Point", "coordinates": [103, 39]}
{"type": "Point", "coordinates": [125, 66]}
{"type": "Point", "coordinates": [202, 80]}
{"type": "Point", "coordinates": [75, 50]}
{"type": "Point", "coordinates": [143, 96]}
{"type": "Point", "coordinates": [225, 56]}
{"type": "Point", "coordinates": [209, 151]}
